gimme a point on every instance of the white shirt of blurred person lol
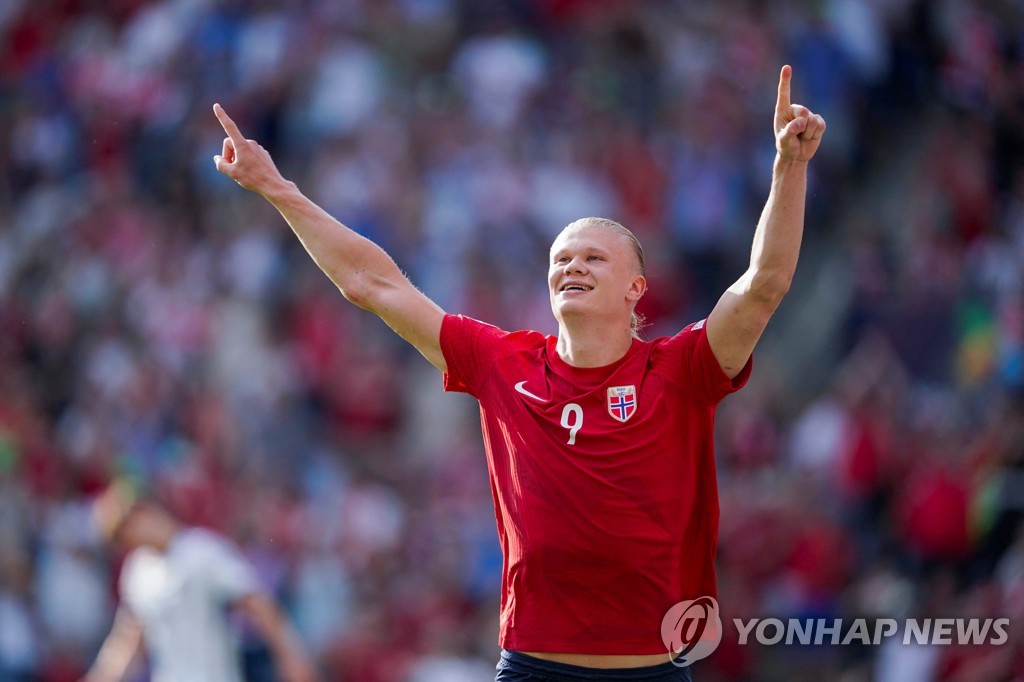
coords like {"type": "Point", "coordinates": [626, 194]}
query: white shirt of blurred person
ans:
{"type": "Point", "coordinates": [176, 586]}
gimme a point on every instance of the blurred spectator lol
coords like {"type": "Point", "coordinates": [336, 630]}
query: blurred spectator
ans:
{"type": "Point", "coordinates": [21, 646]}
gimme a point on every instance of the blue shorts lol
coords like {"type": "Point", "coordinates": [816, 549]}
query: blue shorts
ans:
{"type": "Point", "coordinates": [517, 667]}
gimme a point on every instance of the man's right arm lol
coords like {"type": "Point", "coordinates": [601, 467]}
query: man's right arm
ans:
{"type": "Point", "coordinates": [119, 649]}
{"type": "Point", "coordinates": [362, 271]}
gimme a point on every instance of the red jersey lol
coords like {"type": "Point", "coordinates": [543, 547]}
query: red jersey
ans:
{"type": "Point", "coordinates": [603, 481]}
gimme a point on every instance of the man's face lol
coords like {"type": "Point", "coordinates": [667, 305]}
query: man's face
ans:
{"type": "Point", "coordinates": [593, 272]}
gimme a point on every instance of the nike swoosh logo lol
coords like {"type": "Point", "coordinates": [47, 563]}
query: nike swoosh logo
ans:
{"type": "Point", "coordinates": [521, 388]}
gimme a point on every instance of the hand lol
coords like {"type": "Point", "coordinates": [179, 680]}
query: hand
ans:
{"type": "Point", "coordinates": [295, 667]}
{"type": "Point", "coordinates": [798, 130]}
{"type": "Point", "coordinates": [244, 161]}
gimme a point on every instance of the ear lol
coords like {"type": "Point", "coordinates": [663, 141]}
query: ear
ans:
{"type": "Point", "coordinates": [636, 288]}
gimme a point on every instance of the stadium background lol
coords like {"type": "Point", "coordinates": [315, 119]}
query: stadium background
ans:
{"type": "Point", "coordinates": [159, 321]}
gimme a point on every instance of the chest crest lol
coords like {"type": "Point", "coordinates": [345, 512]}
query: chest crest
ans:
{"type": "Point", "coordinates": [621, 402]}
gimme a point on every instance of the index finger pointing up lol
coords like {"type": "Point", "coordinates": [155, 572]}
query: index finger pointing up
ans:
{"type": "Point", "coordinates": [229, 126]}
{"type": "Point", "coordinates": [784, 77]}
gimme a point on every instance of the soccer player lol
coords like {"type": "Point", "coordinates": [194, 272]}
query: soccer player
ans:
{"type": "Point", "coordinates": [176, 585]}
{"type": "Point", "coordinates": [599, 444]}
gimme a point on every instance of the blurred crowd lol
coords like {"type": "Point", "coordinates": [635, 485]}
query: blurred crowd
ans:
{"type": "Point", "coordinates": [158, 321]}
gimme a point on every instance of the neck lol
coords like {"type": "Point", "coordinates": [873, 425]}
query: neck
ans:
{"type": "Point", "coordinates": [583, 345]}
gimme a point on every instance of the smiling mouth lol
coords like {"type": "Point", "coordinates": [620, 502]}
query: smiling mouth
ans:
{"type": "Point", "coordinates": [575, 287]}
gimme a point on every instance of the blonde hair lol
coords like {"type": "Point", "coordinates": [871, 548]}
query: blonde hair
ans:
{"type": "Point", "coordinates": [636, 320]}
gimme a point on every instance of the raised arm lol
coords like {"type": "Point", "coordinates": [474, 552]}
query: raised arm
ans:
{"type": "Point", "coordinates": [743, 311]}
{"type": "Point", "coordinates": [365, 274]}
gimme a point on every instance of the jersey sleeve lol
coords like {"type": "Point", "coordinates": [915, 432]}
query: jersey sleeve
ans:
{"type": "Point", "coordinates": [228, 574]}
{"type": "Point", "coordinates": [688, 359]}
{"type": "Point", "coordinates": [470, 348]}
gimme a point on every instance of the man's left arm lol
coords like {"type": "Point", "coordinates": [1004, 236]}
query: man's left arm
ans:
{"type": "Point", "coordinates": [290, 657]}
{"type": "Point", "coordinates": [742, 313]}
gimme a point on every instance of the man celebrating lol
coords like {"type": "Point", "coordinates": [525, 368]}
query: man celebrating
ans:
{"type": "Point", "coordinates": [599, 445]}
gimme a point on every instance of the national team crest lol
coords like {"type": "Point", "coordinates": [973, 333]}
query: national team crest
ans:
{"type": "Point", "coordinates": [622, 402]}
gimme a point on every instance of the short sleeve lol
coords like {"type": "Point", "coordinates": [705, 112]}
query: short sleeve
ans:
{"type": "Point", "coordinates": [688, 360]}
{"type": "Point", "coordinates": [470, 348]}
{"type": "Point", "coordinates": [228, 574]}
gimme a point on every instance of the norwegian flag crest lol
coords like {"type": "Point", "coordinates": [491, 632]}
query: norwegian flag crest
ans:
{"type": "Point", "coordinates": [622, 402]}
